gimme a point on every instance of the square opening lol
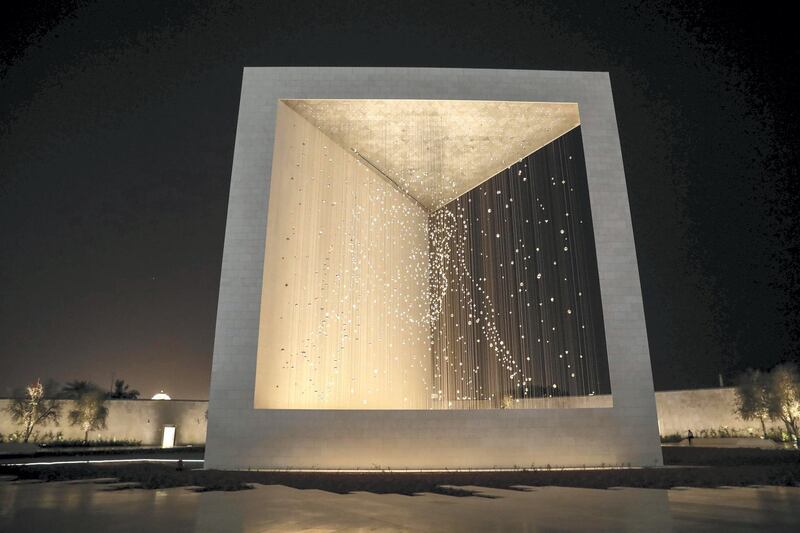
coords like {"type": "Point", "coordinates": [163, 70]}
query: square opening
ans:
{"type": "Point", "coordinates": [429, 254]}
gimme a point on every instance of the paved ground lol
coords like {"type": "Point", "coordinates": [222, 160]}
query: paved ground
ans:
{"type": "Point", "coordinates": [91, 507]}
{"type": "Point", "coordinates": [191, 456]}
{"type": "Point", "coordinates": [732, 442]}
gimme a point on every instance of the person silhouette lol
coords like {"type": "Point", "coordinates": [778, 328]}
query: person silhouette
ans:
{"type": "Point", "coordinates": [690, 436]}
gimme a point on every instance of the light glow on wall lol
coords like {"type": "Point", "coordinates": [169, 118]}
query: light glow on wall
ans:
{"type": "Point", "coordinates": [399, 275]}
{"type": "Point", "coordinates": [168, 440]}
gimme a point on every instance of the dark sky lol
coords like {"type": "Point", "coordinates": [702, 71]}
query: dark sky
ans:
{"type": "Point", "coordinates": [117, 124]}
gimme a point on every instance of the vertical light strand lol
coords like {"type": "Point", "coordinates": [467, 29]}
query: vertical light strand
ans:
{"type": "Point", "coordinates": [522, 241]}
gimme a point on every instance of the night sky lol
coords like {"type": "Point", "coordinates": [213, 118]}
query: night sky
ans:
{"type": "Point", "coordinates": [117, 126]}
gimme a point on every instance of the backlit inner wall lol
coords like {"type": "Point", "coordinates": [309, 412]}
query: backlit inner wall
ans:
{"type": "Point", "coordinates": [373, 301]}
{"type": "Point", "coordinates": [344, 321]}
{"type": "Point", "coordinates": [516, 275]}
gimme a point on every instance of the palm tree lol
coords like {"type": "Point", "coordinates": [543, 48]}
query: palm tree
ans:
{"type": "Point", "coordinates": [122, 392]}
{"type": "Point", "coordinates": [75, 389]}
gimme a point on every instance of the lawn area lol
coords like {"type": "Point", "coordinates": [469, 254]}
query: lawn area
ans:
{"type": "Point", "coordinates": [687, 467]}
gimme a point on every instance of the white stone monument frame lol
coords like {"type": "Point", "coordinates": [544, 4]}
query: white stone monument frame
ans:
{"type": "Point", "coordinates": [242, 437]}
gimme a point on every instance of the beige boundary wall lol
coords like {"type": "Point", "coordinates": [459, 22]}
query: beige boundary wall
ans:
{"type": "Point", "coordinates": [144, 420]}
{"type": "Point", "coordinates": [703, 409]}
{"type": "Point", "coordinates": [141, 420]}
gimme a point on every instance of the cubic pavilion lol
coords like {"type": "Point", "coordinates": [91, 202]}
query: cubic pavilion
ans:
{"type": "Point", "coordinates": [429, 269]}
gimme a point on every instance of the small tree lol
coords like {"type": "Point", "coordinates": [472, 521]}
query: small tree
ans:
{"type": "Point", "coordinates": [33, 410]}
{"type": "Point", "coordinates": [752, 397]}
{"type": "Point", "coordinates": [122, 392]}
{"type": "Point", "coordinates": [784, 397]}
{"type": "Point", "coordinates": [90, 412]}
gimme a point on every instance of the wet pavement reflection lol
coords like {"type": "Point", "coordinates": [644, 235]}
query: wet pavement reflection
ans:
{"type": "Point", "coordinates": [71, 506]}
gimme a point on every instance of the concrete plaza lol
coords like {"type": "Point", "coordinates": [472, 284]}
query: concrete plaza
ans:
{"type": "Point", "coordinates": [86, 506]}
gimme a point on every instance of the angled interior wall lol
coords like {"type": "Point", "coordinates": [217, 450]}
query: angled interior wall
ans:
{"type": "Point", "coordinates": [346, 262]}
{"type": "Point", "coordinates": [521, 320]}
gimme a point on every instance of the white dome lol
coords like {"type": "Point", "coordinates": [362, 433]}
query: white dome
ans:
{"type": "Point", "coordinates": [161, 396]}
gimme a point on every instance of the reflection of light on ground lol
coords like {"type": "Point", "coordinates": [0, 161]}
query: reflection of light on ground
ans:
{"type": "Point", "coordinates": [288, 509]}
{"type": "Point", "coordinates": [341, 470]}
{"type": "Point", "coordinates": [97, 461]}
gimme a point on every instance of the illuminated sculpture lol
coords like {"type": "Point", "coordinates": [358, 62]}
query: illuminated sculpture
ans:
{"type": "Point", "coordinates": [427, 263]}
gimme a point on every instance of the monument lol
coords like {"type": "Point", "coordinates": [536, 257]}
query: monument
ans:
{"type": "Point", "coordinates": [429, 269]}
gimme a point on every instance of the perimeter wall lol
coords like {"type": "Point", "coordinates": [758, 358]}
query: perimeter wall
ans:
{"type": "Point", "coordinates": [144, 420]}
{"type": "Point", "coordinates": [141, 420]}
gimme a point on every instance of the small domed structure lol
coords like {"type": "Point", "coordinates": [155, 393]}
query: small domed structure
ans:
{"type": "Point", "coordinates": [161, 396]}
